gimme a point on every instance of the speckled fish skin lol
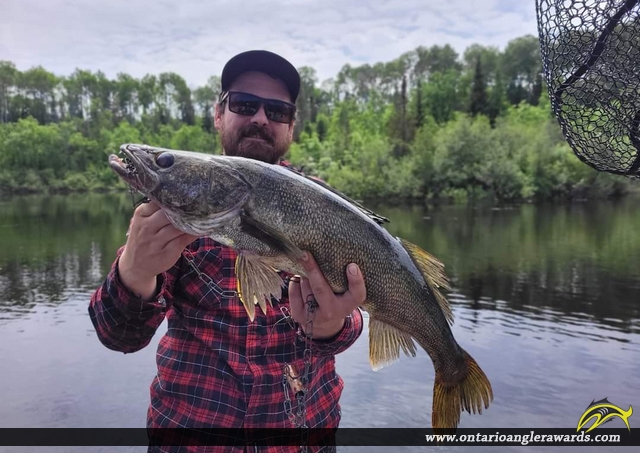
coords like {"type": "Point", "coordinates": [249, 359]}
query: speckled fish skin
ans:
{"type": "Point", "coordinates": [205, 195]}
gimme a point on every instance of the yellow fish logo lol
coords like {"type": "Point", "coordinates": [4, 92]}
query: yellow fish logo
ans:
{"type": "Point", "coordinates": [603, 411]}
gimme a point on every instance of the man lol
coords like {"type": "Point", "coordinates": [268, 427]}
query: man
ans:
{"type": "Point", "coordinates": [216, 368]}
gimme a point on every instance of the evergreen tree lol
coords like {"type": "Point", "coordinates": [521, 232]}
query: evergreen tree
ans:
{"type": "Point", "coordinates": [479, 104]}
{"type": "Point", "coordinates": [496, 104]}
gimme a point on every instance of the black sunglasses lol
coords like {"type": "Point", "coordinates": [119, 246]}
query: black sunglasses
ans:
{"type": "Point", "coordinates": [248, 105]}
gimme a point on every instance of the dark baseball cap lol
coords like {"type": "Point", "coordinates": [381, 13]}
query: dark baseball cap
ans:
{"type": "Point", "coordinates": [262, 61]}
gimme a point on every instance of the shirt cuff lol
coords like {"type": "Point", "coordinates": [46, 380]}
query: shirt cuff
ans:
{"type": "Point", "coordinates": [349, 333]}
{"type": "Point", "coordinates": [131, 305]}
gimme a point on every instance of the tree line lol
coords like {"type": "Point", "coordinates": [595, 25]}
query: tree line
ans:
{"type": "Point", "coordinates": [429, 124]}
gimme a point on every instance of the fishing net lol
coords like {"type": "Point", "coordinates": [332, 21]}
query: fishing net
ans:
{"type": "Point", "coordinates": [591, 59]}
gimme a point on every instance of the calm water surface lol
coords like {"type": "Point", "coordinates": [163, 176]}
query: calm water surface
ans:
{"type": "Point", "coordinates": [546, 299]}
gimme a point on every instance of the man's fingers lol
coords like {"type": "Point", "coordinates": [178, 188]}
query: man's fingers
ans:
{"type": "Point", "coordinates": [357, 289]}
{"type": "Point", "coordinates": [295, 298]}
{"type": "Point", "coordinates": [166, 229]}
{"type": "Point", "coordinates": [178, 241]}
{"type": "Point", "coordinates": [148, 218]}
{"type": "Point", "coordinates": [318, 284]}
{"type": "Point", "coordinates": [158, 221]}
{"type": "Point", "coordinates": [305, 288]}
{"type": "Point", "coordinates": [147, 209]}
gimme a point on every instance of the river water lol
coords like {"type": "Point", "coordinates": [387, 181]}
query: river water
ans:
{"type": "Point", "coordinates": [546, 298]}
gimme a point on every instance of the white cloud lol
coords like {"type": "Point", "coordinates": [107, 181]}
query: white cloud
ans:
{"type": "Point", "coordinates": [194, 38]}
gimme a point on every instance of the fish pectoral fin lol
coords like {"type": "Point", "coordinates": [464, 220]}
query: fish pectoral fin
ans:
{"type": "Point", "coordinates": [432, 270]}
{"type": "Point", "coordinates": [385, 342]}
{"type": "Point", "coordinates": [269, 235]}
{"type": "Point", "coordinates": [257, 282]}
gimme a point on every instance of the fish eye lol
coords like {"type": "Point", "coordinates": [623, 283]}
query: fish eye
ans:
{"type": "Point", "coordinates": [165, 160]}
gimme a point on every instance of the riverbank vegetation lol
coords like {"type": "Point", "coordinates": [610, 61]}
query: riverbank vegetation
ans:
{"type": "Point", "coordinates": [429, 125]}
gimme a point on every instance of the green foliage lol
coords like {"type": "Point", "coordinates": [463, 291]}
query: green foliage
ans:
{"type": "Point", "coordinates": [443, 96]}
{"type": "Point", "coordinates": [193, 138]}
{"type": "Point", "coordinates": [427, 125]}
{"type": "Point", "coordinates": [521, 65]}
{"type": "Point", "coordinates": [28, 145]}
{"type": "Point", "coordinates": [522, 156]}
{"type": "Point", "coordinates": [479, 103]}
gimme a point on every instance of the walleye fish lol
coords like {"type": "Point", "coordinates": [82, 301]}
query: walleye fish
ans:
{"type": "Point", "coordinates": [270, 214]}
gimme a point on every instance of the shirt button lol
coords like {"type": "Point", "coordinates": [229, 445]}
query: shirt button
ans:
{"type": "Point", "coordinates": [162, 301]}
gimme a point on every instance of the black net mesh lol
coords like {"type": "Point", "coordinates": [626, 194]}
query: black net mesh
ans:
{"type": "Point", "coordinates": [591, 59]}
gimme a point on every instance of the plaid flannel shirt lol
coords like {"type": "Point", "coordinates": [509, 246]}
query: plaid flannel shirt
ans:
{"type": "Point", "coordinates": [216, 369]}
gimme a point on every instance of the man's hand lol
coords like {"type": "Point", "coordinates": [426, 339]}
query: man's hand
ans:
{"type": "Point", "coordinates": [332, 308]}
{"type": "Point", "coordinates": [153, 246]}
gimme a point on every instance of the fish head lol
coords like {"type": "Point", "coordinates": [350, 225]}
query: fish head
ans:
{"type": "Point", "coordinates": [198, 192]}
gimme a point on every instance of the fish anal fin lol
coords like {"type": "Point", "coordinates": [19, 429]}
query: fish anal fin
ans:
{"type": "Point", "coordinates": [270, 236]}
{"type": "Point", "coordinates": [432, 270]}
{"type": "Point", "coordinates": [385, 342]}
{"type": "Point", "coordinates": [257, 282]}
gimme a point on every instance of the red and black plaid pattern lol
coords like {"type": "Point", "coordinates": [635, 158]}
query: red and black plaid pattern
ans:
{"type": "Point", "coordinates": [216, 369]}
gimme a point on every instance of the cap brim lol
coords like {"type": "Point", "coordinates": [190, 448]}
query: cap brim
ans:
{"type": "Point", "coordinates": [262, 61]}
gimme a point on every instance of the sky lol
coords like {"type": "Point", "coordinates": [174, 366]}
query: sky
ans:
{"type": "Point", "coordinates": [195, 38]}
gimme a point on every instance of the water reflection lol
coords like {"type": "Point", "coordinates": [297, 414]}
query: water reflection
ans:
{"type": "Point", "coordinates": [561, 263]}
{"type": "Point", "coordinates": [545, 300]}
{"type": "Point", "coordinates": [51, 247]}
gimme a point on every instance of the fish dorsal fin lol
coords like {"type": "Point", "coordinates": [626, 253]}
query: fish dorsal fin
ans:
{"type": "Point", "coordinates": [256, 283]}
{"type": "Point", "coordinates": [368, 212]}
{"type": "Point", "coordinates": [270, 236]}
{"type": "Point", "coordinates": [385, 342]}
{"type": "Point", "coordinates": [432, 270]}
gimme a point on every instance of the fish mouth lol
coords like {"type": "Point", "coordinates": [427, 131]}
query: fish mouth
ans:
{"type": "Point", "coordinates": [122, 166]}
{"type": "Point", "coordinates": [132, 167]}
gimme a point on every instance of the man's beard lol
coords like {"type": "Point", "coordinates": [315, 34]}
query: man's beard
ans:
{"type": "Point", "coordinates": [240, 144]}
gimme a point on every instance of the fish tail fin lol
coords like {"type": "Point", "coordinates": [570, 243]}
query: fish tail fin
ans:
{"type": "Point", "coordinates": [469, 393]}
